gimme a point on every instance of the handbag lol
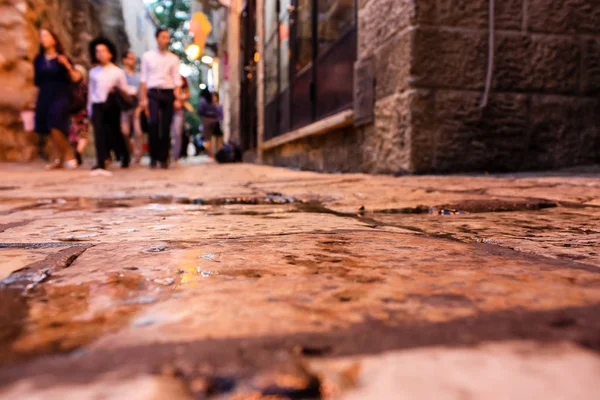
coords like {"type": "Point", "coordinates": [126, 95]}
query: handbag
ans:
{"type": "Point", "coordinates": [124, 100]}
{"type": "Point", "coordinates": [77, 97]}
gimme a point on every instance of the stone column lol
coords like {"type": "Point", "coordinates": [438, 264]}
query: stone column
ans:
{"type": "Point", "coordinates": [233, 46]}
{"type": "Point", "coordinates": [385, 34]}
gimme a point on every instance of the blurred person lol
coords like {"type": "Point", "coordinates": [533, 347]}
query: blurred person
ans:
{"type": "Point", "coordinates": [54, 73]}
{"type": "Point", "coordinates": [104, 81]}
{"type": "Point", "coordinates": [218, 132]}
{"type": "Point", "coordinates": [161, 86]}
{"type": "Point", "coordinates": [209, 115]}
{"type": "Point", "coordinates": [179, 107]}
{"type": "Point", "coordinates": [78, 133]}
{"type": "Point", "coordinates": [131, 124]}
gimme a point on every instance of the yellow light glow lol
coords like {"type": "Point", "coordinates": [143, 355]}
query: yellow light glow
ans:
{"type": "Point", "coordinates": [193, 51]}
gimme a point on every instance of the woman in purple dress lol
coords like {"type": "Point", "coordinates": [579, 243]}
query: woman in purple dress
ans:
{"type": "Point", "coordinates": [54, 73]}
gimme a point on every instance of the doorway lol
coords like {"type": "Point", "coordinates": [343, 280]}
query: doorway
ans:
{"type": "Point", "coordinates": [248, 86]}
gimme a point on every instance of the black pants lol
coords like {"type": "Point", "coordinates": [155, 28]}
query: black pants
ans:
{"type": "Point", "coordinates": [106, 120]}
{"type": "Point", "coordinates": [161, 116]}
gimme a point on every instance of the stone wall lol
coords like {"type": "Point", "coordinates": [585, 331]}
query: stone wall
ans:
{"type": "Point", "coordinates": [329, 153]}
{"type": "Point", "coordinates": [76, 22]}
{"type": "Point", "coordinates": [431, 59]}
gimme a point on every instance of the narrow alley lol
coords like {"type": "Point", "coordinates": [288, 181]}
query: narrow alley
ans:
{"type": "Point", "coordinates": [252, 282]}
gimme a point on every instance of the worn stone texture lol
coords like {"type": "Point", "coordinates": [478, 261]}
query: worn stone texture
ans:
{"type": "Point", "coordinates": [563, 16]}
{"type": "Point", "coordinates": [352, 281]}
{"type": "Point", "coordinates": [387, 147]}
{"type": "Point", "coordinates": [537, 64]}
{"type": "Point", "coordinates": [471, 138]}
{"type": "Point", "coordinates": [380, 20]}
{"type": "Point", "coordinates": [322, 153]}
{"type": "Point", "coordinates": [520, 128]}
{"type": "Point", "coordinates": [564, 131]}
{"type": "Point", "coordinates": [393, 65]}
{"type": "Point", "coordinates": [423, 129]}
{"type": "Point", "coordinates": [458, 59]}
{"type": "Point", "coordinates": [448, 59]}
{"type": "Point", "coordinates": [508, 14]}
{"type": "Point", "coordinates": [590, 74]}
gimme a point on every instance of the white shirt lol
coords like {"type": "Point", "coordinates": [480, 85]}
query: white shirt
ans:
{"type": "Point", "coordinates": [160, 70]}
{"type": "Point", "coordinates": [102, 80]}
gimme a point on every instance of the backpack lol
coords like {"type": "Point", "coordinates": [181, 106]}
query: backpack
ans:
{"type": "Point", "coordinates": [229, 153]}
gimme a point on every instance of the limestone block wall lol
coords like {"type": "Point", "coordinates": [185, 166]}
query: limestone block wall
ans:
{"type": "Point", "coordinates": [431, 60]}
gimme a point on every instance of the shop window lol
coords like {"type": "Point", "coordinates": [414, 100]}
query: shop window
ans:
{"type": "Point", "coordinates": [284, 43]}
{"type": "Point", "coordinates": [270, 17]}
{"type": "Point", "coordinates": [271, 72]}
{"type": "Point", "coordinates": [310, 52]}
{"type": "Point", "coordinates": [335, 19]}
{"type": "Point", "coordinates": [303, 42]}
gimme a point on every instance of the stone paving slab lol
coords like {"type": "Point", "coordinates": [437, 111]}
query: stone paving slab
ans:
{"type": "Point", "coordinates": [249, 282]}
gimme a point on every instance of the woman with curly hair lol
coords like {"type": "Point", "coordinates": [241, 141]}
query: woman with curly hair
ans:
{"type": "Point", "coordinates": [105, 80]}
{"type": "Point", "coordinates": [54, 73]}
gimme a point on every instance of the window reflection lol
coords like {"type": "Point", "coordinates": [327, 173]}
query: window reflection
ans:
{"type": "Point", "coordinates": [303, 42]}
{"type": "Point", "coordinates": [271, 70]}
{"type": "Point", "coordinates": [270, 17]}
{"type": "Point", "coordinates": [284, 40]}
{"type": "Point", "coordinates": [335, 18]}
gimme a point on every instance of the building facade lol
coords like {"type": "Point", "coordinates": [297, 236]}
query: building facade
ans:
{"type": "Point", "coordinates": [139, 25]}
{"type": "Point", "coordinates": [416, 86]}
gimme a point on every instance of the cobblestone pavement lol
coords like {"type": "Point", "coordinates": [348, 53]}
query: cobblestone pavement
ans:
{"type": "Point", "coordinates": [250, 282]}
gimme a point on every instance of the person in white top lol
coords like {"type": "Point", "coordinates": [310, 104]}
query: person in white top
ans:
{"type": "Point", "coordinates": [160, 86]}
{"type": "Point", "coordinates": [104, 80]}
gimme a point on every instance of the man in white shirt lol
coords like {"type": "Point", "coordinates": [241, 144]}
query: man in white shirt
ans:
{"type": "Point", "coordinates": [160, 86]}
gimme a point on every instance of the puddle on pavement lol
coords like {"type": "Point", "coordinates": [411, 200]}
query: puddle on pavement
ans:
{"type": "Point", "coordinates": [308, 205]}
{"type": "Point", "coordinates": [49, 318]}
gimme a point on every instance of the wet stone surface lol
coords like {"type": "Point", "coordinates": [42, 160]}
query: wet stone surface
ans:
{"type": "Point", "coordinates": [248, 282]}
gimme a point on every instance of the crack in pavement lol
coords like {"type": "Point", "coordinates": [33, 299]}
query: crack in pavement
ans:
{"type": "Point", "coordinates": [10, 225]}
{"type": "Point", "coordinates": [46, 267]}
{"type": "Point", "coordinates": [35, 246]}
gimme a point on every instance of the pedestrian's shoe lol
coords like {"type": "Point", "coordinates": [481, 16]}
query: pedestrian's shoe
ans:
{"type": "Point", "coordinates": [100, 172]}
{"type": "Point", "coordinates": [153, 164]}
{"type": "Point", "coordinates": [125, 163]}
{"type": "Point", "coordinates": [71, 164]}
{"type": "Point", "coordinates": [164, 165]}
{"type": "Point", "coordinates": [56, 164]}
